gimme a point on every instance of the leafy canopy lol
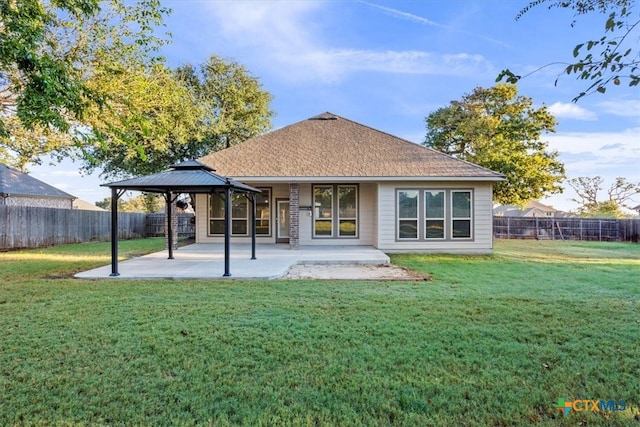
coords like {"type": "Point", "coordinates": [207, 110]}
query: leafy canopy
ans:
{"type": "Point", "coordinates": [50, 52]}
{"type": "Point", "coordinates": [48, 48]}
{"type": "Point", "coordinates": [155, 117]}
{"type": "Point", "coordinates": [613, 58]}
{"type": "Point", "coordinates": [498, 129]}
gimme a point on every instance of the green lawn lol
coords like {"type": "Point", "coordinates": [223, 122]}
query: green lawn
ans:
{"type": "Point", "coordinates": [491, 340]}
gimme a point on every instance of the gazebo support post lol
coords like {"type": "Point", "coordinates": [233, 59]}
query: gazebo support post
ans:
{"type": "Point", "coordinates": [114, 232]}
{"type": "Point", "coordinates": [227, 229]}
{"type": "Point", "coordinates": [167, 198]}
{"type": "Point", "coordinates": [252, 198]}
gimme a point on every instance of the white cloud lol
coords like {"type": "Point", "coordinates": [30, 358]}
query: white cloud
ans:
{"type": "Point", "coordinates": [277, 26]}
{"type": "Point", "coordinates": [571, 111]}
{"type": "Point", "coordinates": [623, 108]}
{"type": "Point", "coordinates": [333, 65]}
{"type": "Point", "coordinates": [422, 20]}
{"type": "Point", "coordinates": [606, 154]}
{"type": "Point", "coordinates": [290, 39]}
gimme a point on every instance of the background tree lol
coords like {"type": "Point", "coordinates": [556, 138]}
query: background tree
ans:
{"type": "Point", "coordinates": [145, 124]}
{"type": "Point", "coordinates": [156, 117]}
{"type": "Point", "coordinates": [145, 202]}
{"type": "Point", "coordinates": [49, 51]}
{"type": "Point", "coordinates": [37, 81]}
{"type": "Point", "coordinates": [613, 58]}
{"type": "Point", "coordinates": [619, 195]}
{"type": "Point", "coordinates": [236, 105]}
{"type": "Point", "coordinates": [500, 130]}
{"type": "Point", "coordinates": [21, 146]}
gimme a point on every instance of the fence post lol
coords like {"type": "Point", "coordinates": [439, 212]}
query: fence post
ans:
{"type": "Point", "coordinates": [508, 228]}
{"type": "Point", "coordinates": [580, 229]}
{"type": "Point", "coordinates": [600, 230]}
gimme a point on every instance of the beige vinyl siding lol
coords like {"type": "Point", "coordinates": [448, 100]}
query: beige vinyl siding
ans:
{"type": "Point", "coordinates": [202, 219]}
{"type": "Point", "coordinates": [482, 241]}
{"type": "Point", "coordinates": [374, 216]}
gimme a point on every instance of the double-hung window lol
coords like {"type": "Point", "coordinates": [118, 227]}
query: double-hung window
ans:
{"type": "Point", "coordinates": [335, 211]}
{"type": "Point", "coordinates": [461, 214]}
{"type": "Point", "coordinates": [434, 214]}
{"type": "Point", "coordinates": [347, 210]}
{"type": "Point", "coordinates": [263, 212]}
{"type": "Point", "coordinates": [408, 214]}
{"type": "Point", "coordinates": [323, 204]}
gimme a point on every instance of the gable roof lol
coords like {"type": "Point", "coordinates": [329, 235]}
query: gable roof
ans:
{"type": "Point", "coordinates": [328, 145]}
{"type": "Point", "coordinates": [16, 183]}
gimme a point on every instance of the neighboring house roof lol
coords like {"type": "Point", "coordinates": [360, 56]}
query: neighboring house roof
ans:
{"type": "Point", "coordinates": [19, 184]}
{"type": "Point", "coordinates": [83, 205]}
{"type": "Point", "coordinates": [532, 209]}
{"type": "Point", "coordinates": [328, 145]}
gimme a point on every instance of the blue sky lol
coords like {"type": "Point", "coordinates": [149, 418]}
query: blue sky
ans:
{"type": "Point", "coordinates": [388, 64]}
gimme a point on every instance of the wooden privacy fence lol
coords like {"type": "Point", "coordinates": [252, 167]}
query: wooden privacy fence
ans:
{"type": "Point", "coordinates": [34, 227]}
{"type": "Point", "coordinates": [618, 230]}
{"type": "Point", "coordinates": [154, 225]}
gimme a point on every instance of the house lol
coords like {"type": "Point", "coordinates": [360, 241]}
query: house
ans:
{"type": "Point", "coordinates": [19, 189]}
{"type": "Point", "coordinates": [83, 205]}
{"type": "Point", "coordinates": [328, 180]}
{"type": "Point", "coordinates": [533, 209]}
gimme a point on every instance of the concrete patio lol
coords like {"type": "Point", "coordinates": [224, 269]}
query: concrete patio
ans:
{"type": "Point", "coordinates": [206, 261]}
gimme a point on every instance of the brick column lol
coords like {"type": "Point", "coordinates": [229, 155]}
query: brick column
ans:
{"type": "Point", "coordinates": [174, 226]}
{"type": "Point", "coordinates": [294, 215]}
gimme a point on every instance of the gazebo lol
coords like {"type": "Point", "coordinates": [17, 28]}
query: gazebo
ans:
{"type": "Point", "coordinates": [186, 177]}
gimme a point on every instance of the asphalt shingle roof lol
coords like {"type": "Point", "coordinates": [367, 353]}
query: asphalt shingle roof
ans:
{"type": "Point", "coordinates": [328, 145]}
{"type": "Point", "coordinates": [16, 183]}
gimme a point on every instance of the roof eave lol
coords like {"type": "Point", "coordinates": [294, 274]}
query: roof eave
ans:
{"type": "Point", "coordinates": [182, 189]}
{"type": "Point", "coordinates": [39, 196]}
{"type": "Point", "coordinates": [369, 178]}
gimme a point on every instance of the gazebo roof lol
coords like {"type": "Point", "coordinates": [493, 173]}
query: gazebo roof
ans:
{"type": "Point", "coordinates": [187, 177]}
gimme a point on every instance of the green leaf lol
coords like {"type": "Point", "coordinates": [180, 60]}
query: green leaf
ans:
{"type": "Point", "coordinates": [576, 50]}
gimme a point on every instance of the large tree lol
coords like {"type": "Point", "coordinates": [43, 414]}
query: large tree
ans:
{"type": "Point", "coordinates": [500, 130]}
{"type": "Point", "coordinates": [50, 51]}
{"type": "Point", "coordinates": [157, 117]}
{"type": "Point", "coordinates": [619, 194]}
{"type": "Point", "coordinates": [145, 124]}
{"type": "Point", "coordinates": [237, 107]}
{"type": "Point", "coordinates": [611, 58]}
